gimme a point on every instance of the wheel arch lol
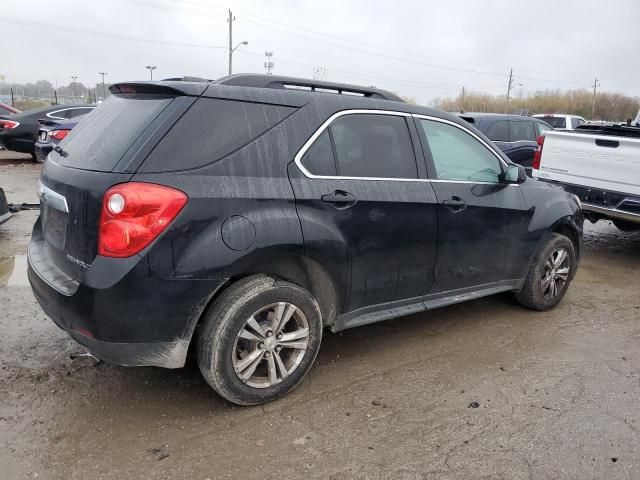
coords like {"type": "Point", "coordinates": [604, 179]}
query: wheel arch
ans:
{"type": "Point", "coordinates": [295, 268]}
{"type": "Point", "coordinates": [567, 227]}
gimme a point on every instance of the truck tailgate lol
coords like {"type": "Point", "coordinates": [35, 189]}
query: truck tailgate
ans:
{"type": "Point", "coordinates": [590, 160]}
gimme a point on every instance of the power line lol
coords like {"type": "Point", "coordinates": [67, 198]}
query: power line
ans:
{"type": "Point", "coordinates": [381, 55]}
{"type": "Point", "coordinates": [289, 32]}
{"type": "Point", "coordinates": [168, 8]}
{"type": "Point", "coordinates": [403, 82]}
{"type": "Point", "coordinates": [83, 31]}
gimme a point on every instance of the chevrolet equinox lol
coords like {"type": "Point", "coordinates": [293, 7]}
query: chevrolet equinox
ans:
{"type": "Point", "coordinates": [244, 216]}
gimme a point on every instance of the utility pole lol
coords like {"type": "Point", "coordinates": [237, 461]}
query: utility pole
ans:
{"type": "Point", "coordinates": [73, 88]}
{"type": "Point", "coordinates": [104, 90]}
{"type": "Point", "coordinates": [596, 84]}
{"type": "Point", "coordinates": [462, 101]}
{"type": "Point", "coordinates": [230, 20]}
{"type": "Point", "coordinates": [268, 64]}
{"type": "Point", "coordinates": [506, 105]}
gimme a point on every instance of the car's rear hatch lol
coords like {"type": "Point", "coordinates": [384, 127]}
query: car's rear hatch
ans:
{"type": "Point", "coordinates": [103, 150]}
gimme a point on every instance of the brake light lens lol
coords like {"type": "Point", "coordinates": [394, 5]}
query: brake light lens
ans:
{"type": "Point", "coordinates": [8, 124]}
{"type": "Point", "coordinates": [59, 134]}
{"type": "Point", "coordinates": [134, 214]}
{"type": "Point", "coordinates": [537, 155]}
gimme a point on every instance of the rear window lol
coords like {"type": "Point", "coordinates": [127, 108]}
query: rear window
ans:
{"type": "Point", "coordinates": [102, 138]}
{"type": "Point", "coordinates": [498, 131]}
{"type": "Point", "coordinates": [210, 130]}
{"type": "Point", "coordinates": [522, 130]}
{"type": "Point", "coordinates": [555, 122]}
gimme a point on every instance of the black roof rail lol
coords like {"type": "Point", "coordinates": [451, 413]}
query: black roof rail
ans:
{"type": "Point", "coordinates": [277, 81]}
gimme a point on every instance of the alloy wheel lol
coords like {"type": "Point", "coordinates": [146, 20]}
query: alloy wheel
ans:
{"type": "Point", "coordinates": [555, 274]}
{"type": "Point", "coordinates": [270, 345]}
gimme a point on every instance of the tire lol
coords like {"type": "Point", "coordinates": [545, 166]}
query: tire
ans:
{"type": "Point", "coordinates": [626, 226]}
{"type": "Point", "coordinates": [536, 293]}
{"type": "Point", "coordinates": [222, 351]}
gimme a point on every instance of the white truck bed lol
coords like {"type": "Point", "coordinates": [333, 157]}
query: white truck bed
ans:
{"type": "Point", "coordinates": [603, 170]}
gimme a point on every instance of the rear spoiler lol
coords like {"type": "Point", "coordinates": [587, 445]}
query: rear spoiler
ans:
{"type": "Point", "coordinates": [191, 88]}
{"type": "Point", "coordinates": [47, 122]}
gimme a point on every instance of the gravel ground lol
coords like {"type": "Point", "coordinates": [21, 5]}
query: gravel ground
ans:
{"type": "Point", "coordinates": [484, 389]}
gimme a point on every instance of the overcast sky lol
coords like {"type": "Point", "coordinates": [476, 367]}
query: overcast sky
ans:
{"type": "Point", "coordinates": [422, 49]}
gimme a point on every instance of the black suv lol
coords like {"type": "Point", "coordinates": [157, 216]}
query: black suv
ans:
{"type": "Point", "coordinates": [245, 215]}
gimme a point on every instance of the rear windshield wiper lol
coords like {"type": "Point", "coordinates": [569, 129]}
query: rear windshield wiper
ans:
{"type": "Point", "coordinates": [59, 149]}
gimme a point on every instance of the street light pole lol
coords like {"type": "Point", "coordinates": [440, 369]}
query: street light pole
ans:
{"type": "Point", "coordinates": [151, 68]}
{"type": "Point", "coordinates": [230, 20]}
{"type": "Point", "coordinates": [233, 50]}
{"type": "Point", "coordinates": [73, 87]}
{"type": "Point", "coordinates": [104, 90]}
{"type": "Point", "coordinates": [596, 83]}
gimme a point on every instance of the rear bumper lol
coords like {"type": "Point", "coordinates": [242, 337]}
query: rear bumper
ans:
{"type": "Point", "coordinates": [598, 203]}
{"type": "Point", "coordinates": [156, 354]}
{"type": "Point", "coordinates": [4, 217]}
{"type": "Point", "coordinates": [141, 319]}
{"type": "Point", "coordinates": [42, 151]}
{"type": "Point", "coordinates": [612, 212]}
{"type": "Point", "coordinates": [5, 214]}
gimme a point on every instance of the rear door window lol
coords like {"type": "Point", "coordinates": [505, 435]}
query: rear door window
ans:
{"type": "Point", "coordinates": [522, 131]}
{"type": "Point", "coordinates": [498, 131]}
{"type": "Point", "coordinates": [100, 140]}
{"type": "Point", "coordinates": [555, 122]}
{"type": "Point", "coordinates": [376, 146]}
{"type": "Point", "coordinates": [319, 159]}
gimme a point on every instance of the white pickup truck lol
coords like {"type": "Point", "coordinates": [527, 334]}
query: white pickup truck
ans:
{"type": "Point", "coordinates": [601, 165]}
{"type": "Point", "coordinates": [561, 121]}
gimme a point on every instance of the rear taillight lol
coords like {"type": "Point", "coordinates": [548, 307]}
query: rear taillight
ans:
{"type": "Point", "coordinates": [134, 214]}
{"type": "Point", "coordinates": [8, 124]}
{"type": "Point", "coordinates": [537, 155]}
{"type": "Point", "coordinates": [59, 134]}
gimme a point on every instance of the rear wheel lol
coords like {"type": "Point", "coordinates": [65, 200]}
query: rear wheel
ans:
{"type": "Point", "coordinates": [259, 340]}
{"type": "Point", "coordinates": [550, 274]}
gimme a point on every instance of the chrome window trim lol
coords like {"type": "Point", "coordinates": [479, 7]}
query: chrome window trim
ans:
{"type": "Point", "coordinates": [305, 147]}
{"type": "Point", "coordinates": [325, 125]}
{"type": "Point", "coordinates": [51, 114]}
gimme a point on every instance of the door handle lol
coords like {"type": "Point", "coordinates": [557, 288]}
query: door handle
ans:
{"type": "Point", "coordinates": [455, 204]}
{"type": "Point", "coordinates": [339, 199]}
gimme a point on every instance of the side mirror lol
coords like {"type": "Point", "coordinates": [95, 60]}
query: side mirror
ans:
{"type": "Point", "coordinates": [514, 173]}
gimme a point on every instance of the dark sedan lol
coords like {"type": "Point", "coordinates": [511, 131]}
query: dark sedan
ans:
{"type": "Point", "coordinates": [50, 134]}
{"type": "Point", "coordinates": [515, 135]}
{"type": "Point", "coordinates": [19, 132]}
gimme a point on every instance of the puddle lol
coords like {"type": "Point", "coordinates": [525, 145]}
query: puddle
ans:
{"type": "Point", "coordinates": [13, 271]}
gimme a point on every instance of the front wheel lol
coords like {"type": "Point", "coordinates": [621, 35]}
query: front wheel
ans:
{"type": "Point", "coordinates": [550, 274]}
{"type": "Point", "coordinates": [259, 340]}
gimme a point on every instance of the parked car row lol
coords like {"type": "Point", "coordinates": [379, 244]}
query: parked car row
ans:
{"type": "Point", "coordinates": [19, 131]}
{"type": "Point", "coordinates": [243, 216]}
